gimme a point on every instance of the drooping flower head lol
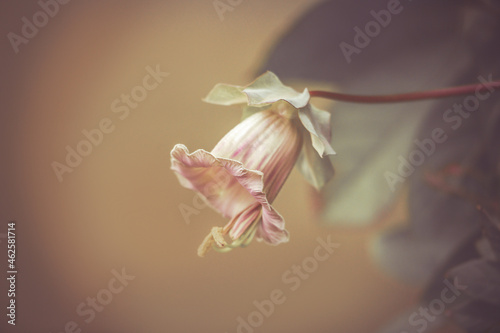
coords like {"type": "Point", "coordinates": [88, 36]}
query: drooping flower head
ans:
{"type": "Point", "coordinates": [242, 175]}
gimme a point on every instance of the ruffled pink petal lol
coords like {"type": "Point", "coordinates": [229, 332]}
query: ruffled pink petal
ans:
{"type": "Point", "coordinates": [239, 194]}
{"type": "Point", "coordinates": [272, 229]}
{"type": "Point", "coordinates": [215, 179]}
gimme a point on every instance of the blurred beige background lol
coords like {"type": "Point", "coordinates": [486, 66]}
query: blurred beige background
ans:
{"type": "Point", "coordinates": [120, 207]}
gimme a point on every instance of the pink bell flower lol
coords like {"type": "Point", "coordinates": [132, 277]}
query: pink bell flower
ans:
{"type": "Point", "coordinates": [243, 174]}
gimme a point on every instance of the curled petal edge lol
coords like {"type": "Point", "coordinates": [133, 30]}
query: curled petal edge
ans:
{"type": "Point", "coordinates": [264, 90]}
{"type": "Point", "coordinates": [315, 169]}
{"type": "Point", "coordinates": [317, 123]}
{"type": "Point", "coordinates": [272, 228]}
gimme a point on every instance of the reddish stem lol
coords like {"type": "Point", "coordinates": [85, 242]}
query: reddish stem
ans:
{"type": "Point", "coordinates": [406, 97]}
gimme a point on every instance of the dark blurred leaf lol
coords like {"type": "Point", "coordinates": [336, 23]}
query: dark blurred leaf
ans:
{"type": "Point", "coordinates": [411, 258]}
{"type": "Point", "coordinates": [445, 226]}
{"type": "Point", "coordinates": [423, 47]}
{"type": "Point", "coordinates": [489, 245]}
{"type": "Point", "coordinates": [482, 279]}
{"type": "Point", "coordinates": [477, 309]}
{"type": "Point", "coordinates": [429, 44]}
{"type": "Point", "coordinates": [478, 317]}
{"type": "Point", "coordinates": [461, 173]}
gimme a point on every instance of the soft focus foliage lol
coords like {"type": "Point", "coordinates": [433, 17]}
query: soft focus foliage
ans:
{"type": "Point", "coordinates": [429, 44]}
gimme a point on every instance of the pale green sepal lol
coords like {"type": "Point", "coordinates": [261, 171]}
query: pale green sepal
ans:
{"type": "Point", "coordinates": [225, 94]}
{"type": "Point", "coordinates": [267, 89]}
{"type": "Point", "coordinates": [317, 123]}
{"type": "Point", "coordinates": [316, 170]}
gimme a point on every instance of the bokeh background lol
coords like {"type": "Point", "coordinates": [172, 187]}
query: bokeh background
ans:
{"type": "Point", "coordinates": [120, 207]}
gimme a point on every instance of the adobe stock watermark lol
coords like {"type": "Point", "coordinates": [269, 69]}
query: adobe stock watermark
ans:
{"type": "Point", "coordinates": [88, 309]}
{"type": "Point", "coordinates": [452, 117]}
{"type": "Point", "coordinates": [31, 27]}
{"type": "Point", "coordinates": [223, 6]}
{"type": "Point", "coordinates": [292, 278]}
{"type": "Point", "coordinates": [363, 37]}
{"type": "Point", "coordinates": [122, 107]}
{"type": "Point", "coordinates": [425, 315]}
